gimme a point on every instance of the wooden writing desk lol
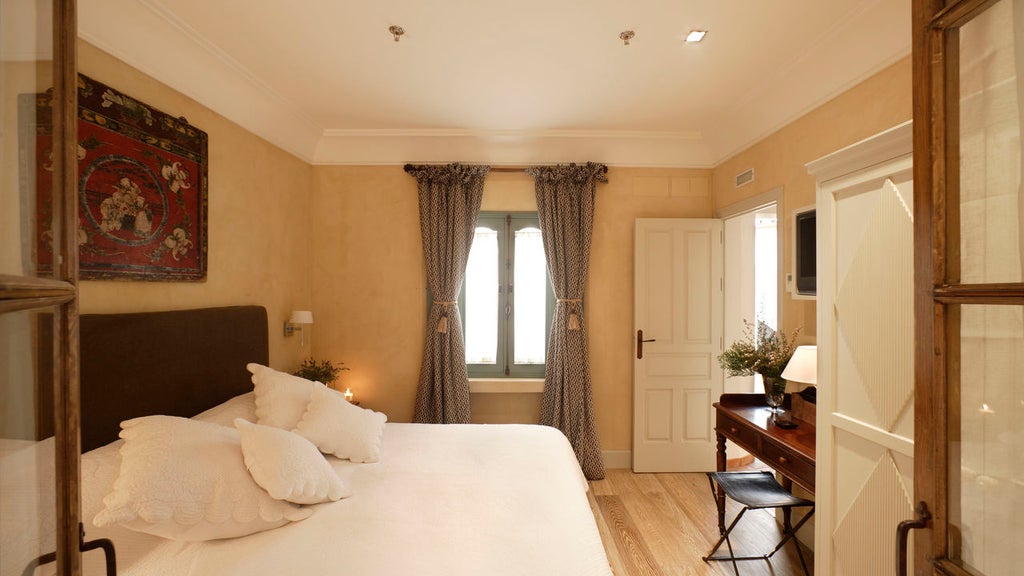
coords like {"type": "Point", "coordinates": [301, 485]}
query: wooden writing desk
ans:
{"type": "Point", "coordinates": [746, 420]}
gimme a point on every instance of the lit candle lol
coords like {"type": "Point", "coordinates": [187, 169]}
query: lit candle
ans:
{"type": "Point", "coordinates": [986, 410]}
{"type": "Point", "coordinates": [348, 394]}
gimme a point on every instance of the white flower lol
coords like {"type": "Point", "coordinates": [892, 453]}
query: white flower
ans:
{"type": "Point", "coordinates": [176, 176]}
{"type": "Point", "coordinates": [178, 242]}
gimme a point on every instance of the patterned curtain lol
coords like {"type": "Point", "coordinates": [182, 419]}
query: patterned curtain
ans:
{"type": "Point", "coordinates": [449, 204]}
{"type": "Point", "coordinates": [565, 207]}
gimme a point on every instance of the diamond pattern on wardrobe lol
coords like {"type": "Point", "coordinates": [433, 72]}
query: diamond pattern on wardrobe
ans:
{"type": "Point", "coordinates": [875, 307]}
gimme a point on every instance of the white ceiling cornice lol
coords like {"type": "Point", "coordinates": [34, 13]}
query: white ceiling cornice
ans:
{"type": "Point", "coordinates": [184, 56]}
{"type": "Point", "coordinates": [615, 148]}
{"type": "Point", "coordinates": [179, 44]}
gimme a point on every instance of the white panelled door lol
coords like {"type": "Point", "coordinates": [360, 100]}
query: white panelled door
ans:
{"type": "Point", "coordinates": [677, 307]}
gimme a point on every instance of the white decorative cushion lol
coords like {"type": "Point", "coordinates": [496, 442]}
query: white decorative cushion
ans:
{"type": "Point", "coordinates": [242, 406]}
{"type": "Point", "coordinates": [185, 480]}
{"type": "Point", "coordinates": [340, 428]}
{"type": "Point", "coordinates": [288, 466]}
{"type": "Point", "coordinates": [281, 398]}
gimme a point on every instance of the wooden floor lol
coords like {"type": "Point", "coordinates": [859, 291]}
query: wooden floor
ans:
{"type": "Point", "coordinates": [662, 524]}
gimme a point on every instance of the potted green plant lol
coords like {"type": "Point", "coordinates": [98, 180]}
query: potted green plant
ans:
{"type": "Point", "coordinates": [323, 371]}
{"type": "Point", "coordinates": [763, 351]}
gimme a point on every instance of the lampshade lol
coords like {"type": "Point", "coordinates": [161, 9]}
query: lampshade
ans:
{"type": "Point", "coordinates": [301, 317]}
{"type": "Point", "coordinates": [803, 366]}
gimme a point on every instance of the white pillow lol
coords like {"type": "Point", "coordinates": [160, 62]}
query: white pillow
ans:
{"type": "Point", "coordinates": [281, 398]}
{"type": "Point", "coordinates": [340, 428]}
{"type": "Point", "coordinates": [242, 406]}
{"type": "Point", "coordinates": [288, 466]}
{"type": "Point", "coordinates": [185, 480]}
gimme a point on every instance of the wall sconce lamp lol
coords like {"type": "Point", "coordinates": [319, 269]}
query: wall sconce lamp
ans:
{"type": "Point", "coordinates": [297, 323]}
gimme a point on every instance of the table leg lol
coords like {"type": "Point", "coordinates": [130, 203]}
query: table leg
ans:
{"type": "Point", "coordinates": [719, 494]}
{"type": "Point", "coordinates": [787, 512]}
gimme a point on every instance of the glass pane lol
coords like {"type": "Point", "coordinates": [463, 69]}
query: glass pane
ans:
{"type": "Point", "coordinates": [26, 73]}
{"type": "Point", "coordinates": [27, 497]}
{"type": "Point", "coordinates": [481, 288]}
{"type": "Point", "coordinates": [987, 488]}
{"type": "Point", "coordinates": [991, 81]}
{"type": "Point", "coordinates": [531, 290]}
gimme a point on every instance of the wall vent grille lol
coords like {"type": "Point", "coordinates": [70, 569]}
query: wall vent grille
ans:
{"type": "Point", "coordinates": [745, 177]}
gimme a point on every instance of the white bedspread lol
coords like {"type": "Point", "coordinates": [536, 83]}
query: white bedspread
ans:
{"type": "Point", "coordinates": [444, 499]}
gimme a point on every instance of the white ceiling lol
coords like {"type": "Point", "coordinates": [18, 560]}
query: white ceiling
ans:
{"type": "Point", "coordinates": [505, 82]}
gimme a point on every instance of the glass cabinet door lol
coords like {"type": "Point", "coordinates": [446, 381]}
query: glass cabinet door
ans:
{"type": "Point", "coordinates": [969, 446]}
{"type": "Point", "coordinates": [39, 449]}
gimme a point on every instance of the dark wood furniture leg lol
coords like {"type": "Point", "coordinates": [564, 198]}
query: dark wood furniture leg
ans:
{"type": "Point", "coordinates": [787, 512]}
{"type": "Point", "coordinates": [720, 494]}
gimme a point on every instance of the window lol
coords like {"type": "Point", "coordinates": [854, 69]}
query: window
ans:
{"type": "Point", "coordinates": [506, 300]}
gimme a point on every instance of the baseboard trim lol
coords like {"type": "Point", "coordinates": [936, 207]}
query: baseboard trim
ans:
{"type": "Point", "coordinates": [618, 459]}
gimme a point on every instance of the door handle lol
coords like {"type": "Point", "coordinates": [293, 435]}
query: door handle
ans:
{"type": "Point", "coordinates": [921, 518]}
{"type": "Point", "coordinates": [640, 344]}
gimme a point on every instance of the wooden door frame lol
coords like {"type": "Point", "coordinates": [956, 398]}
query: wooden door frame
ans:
{"type": "Point", "coordinates": [67, 412]}
{"type": "Point", "coordinates": [24, 293]}
{"type": "Point", "coordinates": [937, 288]}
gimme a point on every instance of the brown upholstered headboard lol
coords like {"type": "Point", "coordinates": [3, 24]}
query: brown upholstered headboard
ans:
{"type": "Point", "coordinates": [178, 363]}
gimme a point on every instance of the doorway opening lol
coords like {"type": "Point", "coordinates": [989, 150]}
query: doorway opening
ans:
{"type": "Point", "coordinates": [751, 276]}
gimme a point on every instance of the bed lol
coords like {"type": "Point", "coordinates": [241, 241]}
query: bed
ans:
{"type": "Point", "coordinates": [442, 499]}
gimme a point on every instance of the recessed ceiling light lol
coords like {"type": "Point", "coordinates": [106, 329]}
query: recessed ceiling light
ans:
{"type": "Point", "coordinates": [696, 35]}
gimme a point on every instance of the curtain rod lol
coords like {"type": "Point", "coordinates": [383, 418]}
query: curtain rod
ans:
{"type": "Point", "coordinates": [408, 167]}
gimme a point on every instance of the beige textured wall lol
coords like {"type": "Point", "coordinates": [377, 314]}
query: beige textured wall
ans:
{"type": "Point", "coordinates": [15, 78]}
{"type": "Point", "coordinates": [258, 219]}
{"type": "Point", "coordinates": [369, 286]}
{"type": "Point", "coordinates": [880, 102]}
{"type": "Point", "coordinates": [344, 242]}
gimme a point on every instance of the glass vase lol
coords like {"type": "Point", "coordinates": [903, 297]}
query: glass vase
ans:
{"type": "Point", "coordinates": [774, 392]}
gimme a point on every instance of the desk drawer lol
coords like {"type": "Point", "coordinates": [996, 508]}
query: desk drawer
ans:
{"type": "Point", "coordinates": [787, 462]}
{"type": "Point", "coordinates": [738, 432]}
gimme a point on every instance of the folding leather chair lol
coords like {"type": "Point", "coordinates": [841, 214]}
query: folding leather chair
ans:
{"type": "Point", "coordinates": [756, 491]}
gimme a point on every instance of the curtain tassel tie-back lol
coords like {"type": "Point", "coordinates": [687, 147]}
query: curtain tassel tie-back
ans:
{"type": "Point", "coordinates": [574, 319]}
{"type": "Point", "coordinates": [442, 324]}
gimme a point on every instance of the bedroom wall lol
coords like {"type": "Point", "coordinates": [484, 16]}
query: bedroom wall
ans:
{"type": "Point", "coordinates": [258, 219]}
{"type": "Point", "coordinates": [779, 160]}
{"type": "Point", "coordinates": [369, 286]}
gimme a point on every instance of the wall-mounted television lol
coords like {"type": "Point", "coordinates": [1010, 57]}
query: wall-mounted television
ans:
{"type": "Point", "coordinates": [806, 253]}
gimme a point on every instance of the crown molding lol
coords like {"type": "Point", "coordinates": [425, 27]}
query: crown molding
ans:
{"type": "Point", "coordinates": [158, 43]}
{"type": "Point", "coordinates": [892, 143]}
{"type": "Point", "coordinates": [508, 134]}
{"type": "Point", "coordinates": [626, 148]}
{"type": "Point", "coordinates": [219, 82]}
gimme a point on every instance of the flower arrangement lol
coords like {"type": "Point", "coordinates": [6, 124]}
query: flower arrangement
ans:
{"type": "Point", "coordinates": [319, 371]}
{"type": "Point", "coordinates": [766, 353]}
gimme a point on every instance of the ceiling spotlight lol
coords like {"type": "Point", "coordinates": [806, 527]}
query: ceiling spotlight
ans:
{"type": "Point", "coordinates": [696, 35]}
{"type": "Point", "coordinates": [626, 37]}
{"type": "Point", "coordinates": [397, 31]}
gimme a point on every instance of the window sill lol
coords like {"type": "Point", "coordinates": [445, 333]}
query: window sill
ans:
{"type": "Point", "coordinates": [506, 385]}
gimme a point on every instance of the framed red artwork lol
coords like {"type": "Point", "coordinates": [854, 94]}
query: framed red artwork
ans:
{"type": "Point", "coordinates": [142, 186]}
